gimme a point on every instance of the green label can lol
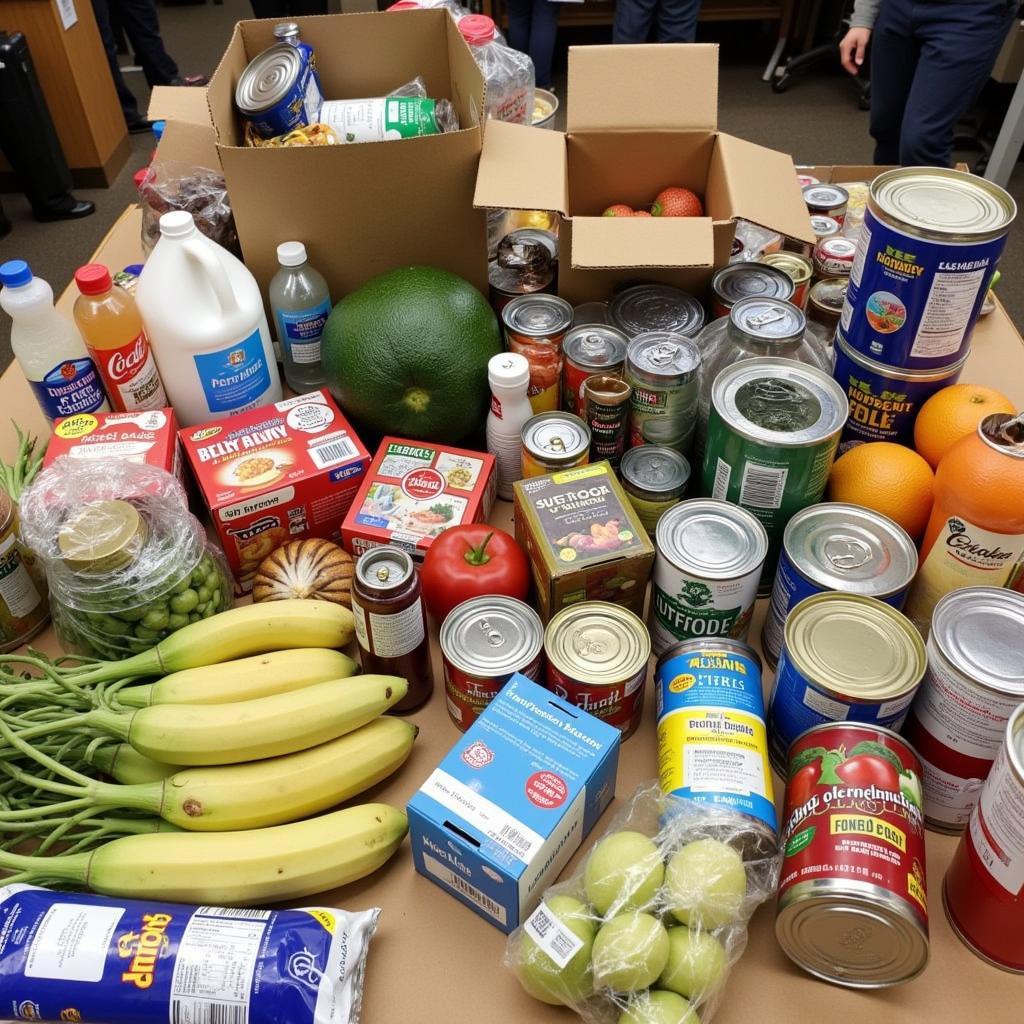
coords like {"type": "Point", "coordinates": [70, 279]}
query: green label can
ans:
{"type": "Point", "coordinates": [662, 368]}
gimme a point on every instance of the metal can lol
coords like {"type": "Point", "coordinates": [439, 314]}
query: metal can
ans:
{"type": "Point", "coordinates": [24, 610]}
{"type": "Point", "coordinates": [606, 413]}
{"type": "Point", "coordinates": [826, 200]}
{"type": "Point", "coordinates": [643, 308]}
{"type": "Point", "coordinates": [798, 267]}
{"type": "Point", "coordinates": [736, 281]}
{"type": "Point", "coordinates": [983, 891]}
{"type": "Point", "coordinates": [553, 441]}
{"type": "Point", "coordinates": [824, 226]}
{"type": "Point", "coordinates": [391, 621]}
{"type": "Point", "coordinates": [802, 178]}
{"type": "Point", "coordinates": [589, 350]}
{"type": "Point", "coordinates": [825, 302]}
{"type": "Point", "coordinates": [833, 546]}
{"type": "Point", "coordinates": [535, 327]}
{"type": "Point", "coordinates": [278, 92]}
{"type": "Point", "coordinates": [930, 244]}
{"type": "Point", "coordinates": [884, 401]}
{"type": "Point", "coordinates": [712, 738]}
{"type": "Point", "coordinates": [706, 570]}
{"type": "Point", "coordinates": [590, 313]}
{"type": "Point", "coordinates": [975, 680]}
{"type": "Point", "coordinates": [844, 657]}
{"type": "Point", "coordinates": [484, 641]}
{"type": "Point", "coordinates": [772, 436]}
{"type": "Point", "coordinates": [833, 257]}
{"type": "Point", "coordinates": [597, 659]}
{"type": "Point", "coordinates": [853, 901]}
{"type": "Point", "coordinates": [525, 262]}
{"type": "Point", "coordinates": [663, 368]}
{"type": "Point", "coordinates": [654, 479]}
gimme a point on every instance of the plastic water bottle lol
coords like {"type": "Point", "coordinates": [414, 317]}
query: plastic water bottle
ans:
{"type": "Point", "coordinates": [509, 376]}
{"type": "Point", "coordinates": [301, 304]}
{"type": "Point", "coordinates": [48, 347]}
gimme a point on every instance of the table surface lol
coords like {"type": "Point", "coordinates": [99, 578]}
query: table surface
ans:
{"type": "Point", "coordinates": [434, 960]}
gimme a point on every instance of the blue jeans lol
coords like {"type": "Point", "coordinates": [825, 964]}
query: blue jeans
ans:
{"type": "Point", "coordinates": [929, 59]}
{"type": "Point", "coordinates": [532, 26]}
{"type": "Point", "coordinates": [676, 20]}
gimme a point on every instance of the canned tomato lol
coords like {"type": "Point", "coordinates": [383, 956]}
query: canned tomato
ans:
{"type": "Point", "coordinates": [798, 268]}
{"type": "Point", "coordinates": [737, 281]}
{"type": "Point", "coordinates": [833, 546]}
{"type": "Point", "coordinates": [930, 244]}
{"type": "Point", "coordinates": [824, 227]}
{"type": "Point", "coordinates": [709, 559]}
{"type": "Point", "coordinates": [484, 642]}
{"type": "Point", "coordinates": [884, 401]}
{"type": "Point", "coordinates": [586, 351]}
{"type": "Point", "coordinates": [712, 739]}
{"type": "Point", "coordinates": [772, 436]}
{"type": "Point", "coordinates": [24, 610]}
{"type": "Point", "coordinates": [853, 902]}
{"type": "Point", "coordinates": [597, 659]}
{"type": "Point", "coordinates": [278, 92]}
{"type": "Point", "coordinates": [553, 441]}
{"type": "Point", "coordinates": [535, 326]}
{"type": "Point", "coordinates": [654, 479]}
{"type": "Point", "coordinates": [606, 413]}
{"type": "Point", "coordinates": [844, 656]}
{"type": "Point", "coordinates": [983, 891]}
{"type": "Point", "coordinates": [833, 257]}
{"type": "Point", "coordinates": [975, 680]}
{"type": "Point", "coordinates": [663, 369]}
{"type": "Point", "coordinates": [825, 302]}
{"type": "Point", "coordinates": [826, 200]}
{"type": "Point", "coordinates": [643, 308]}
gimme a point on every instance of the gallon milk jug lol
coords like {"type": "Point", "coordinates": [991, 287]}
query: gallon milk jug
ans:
{"type": "Point", "coordinates": [204, 316]}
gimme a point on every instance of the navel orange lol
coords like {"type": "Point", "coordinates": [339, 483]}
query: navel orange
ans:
{"type": "Point", "coordinates": [952, 413]}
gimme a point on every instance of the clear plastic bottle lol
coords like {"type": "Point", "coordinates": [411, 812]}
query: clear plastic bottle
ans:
{"type": "Point", "coordinates": [508, 73]}
{"type": "Point", "coordinates": [48, 347]}
{"type": "Point", "coordinates": [509, 376]}
{"type": "Point", "coordinates": [301, 303]}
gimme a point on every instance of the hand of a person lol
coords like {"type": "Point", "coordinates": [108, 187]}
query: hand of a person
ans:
{"type": "Point", "coordinates": [852, 48]}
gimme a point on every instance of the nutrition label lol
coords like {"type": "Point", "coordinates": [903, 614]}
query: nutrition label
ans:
{"type": "Point", "coordinates": [389, 636]}
{"type": "Point", "coordinates": [947, 313]}
{"type": "Point", "coordinates": [17, 590]}
{"type": "Point", "coordinates": [948, 798]}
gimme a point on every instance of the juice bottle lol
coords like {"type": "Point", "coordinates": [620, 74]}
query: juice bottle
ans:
{"type": "Point", "coordinates": [975, 536]}
{"type": "Point", "coordinates": [301, 304]}
{"type": "Point", "coordinates": [112, 329]}
{"type": "Point", "coordinates": [509, 377]}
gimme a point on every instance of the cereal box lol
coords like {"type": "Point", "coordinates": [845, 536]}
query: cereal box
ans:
{"type": "Point", "coordinates": [276, 473]}
{"type": "Point", "coordinates": [149, 436]}
{"type": "Point", "coordinates": [414, 491]}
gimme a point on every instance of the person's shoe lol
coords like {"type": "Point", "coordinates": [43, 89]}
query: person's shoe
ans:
{"type": "Point", "coordinates": [67, 209]}
{"type": "Point", "coordinates": [139, 126]}
{"type": "Point", "coordinates": [190, 80]}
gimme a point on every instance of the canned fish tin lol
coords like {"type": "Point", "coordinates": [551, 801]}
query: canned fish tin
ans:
{"type": "Point", "coordinates": [884, 401]}
{"type": "Point", "coordinates": [709, 559]}
{"type": "Point", "coordinates": [24, 610]}
{"type": "Point", "coordinates": [597, 659]}
{"type": "Point", "coordinates": [484, 642]}
{"type": "Point", "coordinates": [772, 436]}
{"type": "Point", "coordinates": [824, 227]}
{"type": "Point", "coordinates": [825, 302]}
{"type": "Point", "coordinates": [712, 738]}
{"type": "Point", "coordinates": [643, 308]}
{"type": "Point", "coordinates": [736, 281]}
{"type": "Point", "coordinates": [931, 241]}
{"type": "Point", "coordinates": [553, 441]}
{"type": "Point", "coordinates": [833, 546]}
{"type": "Point", "coordinates": [278, 92]}
{"type": "Point", "coordinates": [588, 350]}
{"type": "Point", "coordinates": [799, 269]}
{"type": "Point", "coordinates": [844, 657]}
{"type": "Point", "coordinates": [983, 891]}
{"type": "Point", "coordinates": [606, 413]}
{"type": "Point", "coordinates": [663, 369]}
{"type": "Point", "coordinates": [535, 326]}
{"type": "Point", "coordinates": [654, 479]}
{"type": "Point", "coordinates": [853, 903]}
{"type": "Point", "coordinates": [833, 257]}
{"type": "Point", "coordinates": [826, 200]}
{"type": "Point", "coordinates": [975, 680]}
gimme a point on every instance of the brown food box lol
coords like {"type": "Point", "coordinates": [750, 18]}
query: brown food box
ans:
{"type": "Point", "coordinates": [583, 539]}
{"type": "Point", "coordinates": [640, 118]}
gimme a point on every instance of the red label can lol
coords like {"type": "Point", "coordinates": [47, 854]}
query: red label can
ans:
{"type": "Point", "coordinates": [853, 906]}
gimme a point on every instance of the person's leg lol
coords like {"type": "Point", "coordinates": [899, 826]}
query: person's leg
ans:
{"type": "Point", "coordinates": [269, 8]}
{"type": "Point", "coordinates": [543, 30]}
{"type": "Point", "coordinates": [894, 56]}
{"type": "Point", "coordinates": [300, 8]}
{"type": "Point", "coordinates": [520, 14]}
{"type": "Point", "coordinates": [129, 104]}
{"type": "Point", "coordinates": [142, 27]}
{"type": "Point", "coordinates": [677, 21]}
{"type": "Point", "coordinates": [959, 44]}
{"type": "Point", "coordinates": [633, 21]}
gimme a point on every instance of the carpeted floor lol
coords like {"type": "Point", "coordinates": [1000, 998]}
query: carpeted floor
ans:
{"type": "Point", "coordinates": [817, 121]}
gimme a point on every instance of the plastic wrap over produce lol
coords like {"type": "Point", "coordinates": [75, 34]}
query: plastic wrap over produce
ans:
{"type": "Point", "coordinates": [648, 928]}
{"type": "Point", "coordinates": [174, 185]}
{"type": "Point", "coordinates": [75, 957]}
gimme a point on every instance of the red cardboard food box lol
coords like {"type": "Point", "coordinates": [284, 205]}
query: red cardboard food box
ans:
{"type": "Point", "coordinates": [273, 474]}
{"type": "Point", "coordinates": [416, 490]}
{"type": "Point", "coordinates": [146, 436]}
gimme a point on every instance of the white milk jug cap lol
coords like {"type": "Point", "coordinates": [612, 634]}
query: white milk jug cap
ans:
{"type": "Point", "coordinates": [291, 254]}
{"type": "Point", "coordinates": [508, 370]}
{"type": "Point", "coordinates": [177, 224]}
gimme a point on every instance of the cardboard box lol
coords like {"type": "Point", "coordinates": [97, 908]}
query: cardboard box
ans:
{"type": "Point", "coordinates": [274, 474]}
{"type": "Point", "coordinates": [360, 209]}
{"type": "Point", "coordinates": [503, 813]}
{"type": "Point", "coordinates": [149, 437]}
{"type": "Point", "coordinates": [583, 539]}
{"type": "Point", "coordinates": [640, 118]}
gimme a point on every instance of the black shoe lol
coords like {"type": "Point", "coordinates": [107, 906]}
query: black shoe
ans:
{"type": "Point", "coordinates": [139, 126]}
{"type": "Point", "coordinates": [68, 209]}
{"type": "Point", "coordinates": [190, 80]}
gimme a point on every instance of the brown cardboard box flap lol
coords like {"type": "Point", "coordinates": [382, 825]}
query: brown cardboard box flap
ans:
{"type": "Point", "coordinates": [671, 85]}
{"type": "Point", "coordinates": [523, 168]}
{"type": "Point", "coordinates": [188, 135]}
{"type": "Point", "coordinates": [611, 242]}
{"type": "Point", "coordinates": [179, 103]}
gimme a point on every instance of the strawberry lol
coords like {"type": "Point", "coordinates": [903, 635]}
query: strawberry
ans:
{"type": "Point", "coordinates": [677, 202]}
{"type": "Point", "coordinates": [618, 210]}
{"type": "Point", "coordinates": [640, 213]}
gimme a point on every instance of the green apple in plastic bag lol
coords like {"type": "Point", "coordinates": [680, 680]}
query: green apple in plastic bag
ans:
{"type": "Point", "coordinates": [624, 872]}
{"type": "Point", "coordinates": [630, 951]}
{"type": "Point", "coordinates": [658, 1008]}
{"type": "Point", "coordinates": [705, 884]}
{"type": "Point", "coordinates": [697, 963]}
{"type": "Point", "coordinates": [541, 976]}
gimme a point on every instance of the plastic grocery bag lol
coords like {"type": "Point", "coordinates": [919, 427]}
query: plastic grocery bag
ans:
{"type": "Point", "coordinates": [648, 928]}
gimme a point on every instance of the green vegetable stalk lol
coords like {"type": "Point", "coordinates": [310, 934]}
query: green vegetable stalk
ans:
{"type": "Point", "coordinates": [15, 477]}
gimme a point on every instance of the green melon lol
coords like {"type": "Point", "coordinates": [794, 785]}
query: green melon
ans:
{"type": "Point", "coordinates": [407, 354]}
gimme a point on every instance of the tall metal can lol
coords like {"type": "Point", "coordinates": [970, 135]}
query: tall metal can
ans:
{"type": "Point", "coordinates": [663, 369]}
{"type": "Point", "coordinates": [606, 413]}
{"type": "Point", "coordinates": [589, 350]}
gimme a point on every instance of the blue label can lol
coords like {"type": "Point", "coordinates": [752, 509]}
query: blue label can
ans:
{"type": "Point", "coordinates": [929, 246]}
{"type": "Point", "coordinates": [279, 92]}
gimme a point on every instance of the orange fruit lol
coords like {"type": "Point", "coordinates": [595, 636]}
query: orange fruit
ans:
{"type": "Point", "coordinates": [952, 413]}
{"type": "Point", "coordinates": [888, 478]}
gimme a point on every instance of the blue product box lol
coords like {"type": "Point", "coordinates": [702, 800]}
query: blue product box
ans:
{"type": "Point", "coordinates": [503, 813]}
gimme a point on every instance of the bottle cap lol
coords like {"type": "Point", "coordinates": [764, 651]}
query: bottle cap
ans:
{"type": "Point", "coordinates": [93, 279]}
{"type": "Point", "coordinates": [177, 224]}
{"type": "Point", "coordinates": [508, 370]}
{"type": "Point", "coordinates": [158, 129]}
{"type": "Point", "coordinates": [15, 273]}
{"type": "Point", "coordinates": [291, 254]}
{"type": "Point", "coordinates": [286, 30]}
{"type": "Point", "coordinates": [406, 5]}
{"type": "Point", "coordinates": [139, 177]}
{"type": "Point", "coordinates": [477, 28]}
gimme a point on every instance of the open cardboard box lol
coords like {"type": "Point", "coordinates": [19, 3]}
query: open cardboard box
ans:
{"type": "Point", "coordinates": [640, 118]}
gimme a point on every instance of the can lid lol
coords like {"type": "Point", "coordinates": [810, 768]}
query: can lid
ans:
{"type": "Point", "coordinates": [597, 642]}
{"type": "Point", "coordinates": [711, 538]}
{"type": "Point", "coordinates": [104, 535]}
{"type": "Point", "coordinates": [655, 307]}
{"type": "Point", "coordinates": [650, 467]}
{"type": "Point", "coordinates": [824, 226]}
{"type": "Point", "coordinates": [291, 254]}
{"type": "Point", "coordinates": [768, 319]}
{"type": "Point", "coordinates": [537, 315]}
{"type": "Point", "coordinates": [556, 437]}
{"type": "Point", "coordinates": [384, 569]}
{"type": "Point", "coordinates": [664, 355]}
{"type": "Point", "coordinates": [268, 78]}
{"type": "Point", "coordinates": [508, 370]}
{"type": "Point", "coordinates": [595, 346]}
{"type": "Point", "coordinates": [829, 294]}
{"type": "Point", "coordinates": [1004, 432]}
{"type": "Point", "coordinates": [736, 281]}
{"type": "Point", "coordinates": [607, 389]}
{"type": "Point", "coordinates": [798, 267]}
{"type": "Point", "coordinates": [857, 647]}
{"type": "Point", "coordinates": [979, 631]}
{"type": "Point", "coordinates": [491, 636]}
{"type": "Point", "coordinates": [824, 195]}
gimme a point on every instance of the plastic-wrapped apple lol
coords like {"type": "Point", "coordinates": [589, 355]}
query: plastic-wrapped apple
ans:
{"type": "Point", "coordinates": [697, 963]}
{"type": "Point", "coordinates": [624, 872]}
{"type": "Point", "coordinates": [629, 953]}
{"type": "Point", "coordinates": [658, 1008]}
{"type": "Point", "coordinates": [705, 883]}
{"type": "Point", "coordinates": [541, 976]}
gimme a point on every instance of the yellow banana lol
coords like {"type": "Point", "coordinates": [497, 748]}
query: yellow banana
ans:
{"type": "Point", "coordinates": [124, 763]}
